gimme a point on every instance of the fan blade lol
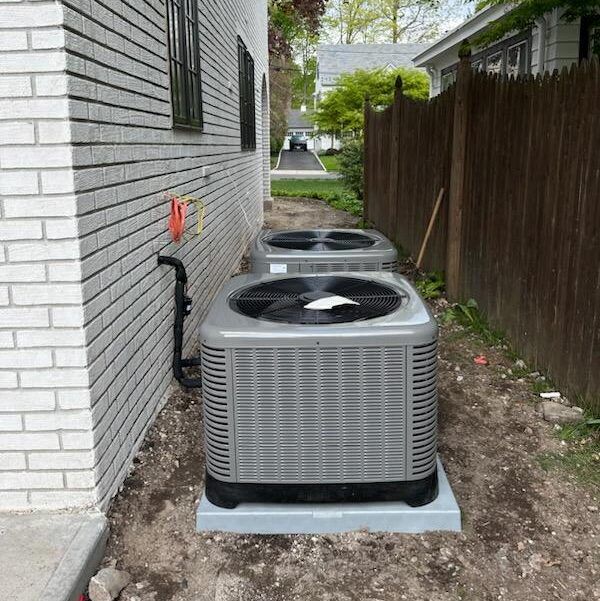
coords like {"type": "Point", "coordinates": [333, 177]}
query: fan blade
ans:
{"type": "Point", "coordinates": [279, 305]}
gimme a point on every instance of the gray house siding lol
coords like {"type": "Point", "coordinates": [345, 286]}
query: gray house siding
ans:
{"type": "Point", "coordinates": [125, 155]}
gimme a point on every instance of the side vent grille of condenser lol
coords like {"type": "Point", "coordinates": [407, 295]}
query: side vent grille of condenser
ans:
{"type": "Point", "coordinates": [330, 267]}
{"type": "Point", "coordinates": [424, 408]}
{"type": "Point", "coordinates": [389, 266]}
{"type": "Point", "coordinates": [216, 415]}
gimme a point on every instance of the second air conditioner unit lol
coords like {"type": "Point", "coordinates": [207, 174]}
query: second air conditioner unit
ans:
{"type": "Point", "coordinates": [322, 251]}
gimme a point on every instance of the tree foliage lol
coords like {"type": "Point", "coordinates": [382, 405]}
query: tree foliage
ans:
{"type": "Point", "coordinates": [290, 21]}
{"type": "Point", "coordinates": [350, 162]}
{"type": "Point", "coordinates": [341, 110]}
{"type": "Point", "coordinates": [526, 12]}
{"type": "Point", "coordinates": [390, 21]}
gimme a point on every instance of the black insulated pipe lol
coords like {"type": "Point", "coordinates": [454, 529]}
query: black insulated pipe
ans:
{"type": "Point", "coordinates": [182, 308]}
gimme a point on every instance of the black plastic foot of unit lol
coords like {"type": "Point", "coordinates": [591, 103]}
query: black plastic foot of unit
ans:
{"type": "Point", "coordinates": [230, 494]}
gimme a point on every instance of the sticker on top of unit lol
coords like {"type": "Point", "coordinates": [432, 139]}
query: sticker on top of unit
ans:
{"type": "Point", "coordinates": [278, 268]}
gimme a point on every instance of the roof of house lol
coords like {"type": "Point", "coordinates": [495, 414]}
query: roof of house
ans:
{"type": "Point", "coordinates": [336, 59]}
{"type": "Point", "coordinates": [298, 119]}
{"type": "Point", "coordinates": [478, 22]}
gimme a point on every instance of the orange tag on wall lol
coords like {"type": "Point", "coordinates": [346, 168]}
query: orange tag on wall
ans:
{"type": "Point", "coordinates": [177, 219]}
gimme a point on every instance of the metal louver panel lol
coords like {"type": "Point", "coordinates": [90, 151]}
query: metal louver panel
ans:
{"type": "Point", "coordinates": [423, 386]}
{"type": "Point", "coordinates": [309, 415]}
{"type": "Point", "coordinates": [217, 418]}
{"type": "Point", "coordinates": [389, 266]}
{"type": "Point", "coordinates": [343, 266]}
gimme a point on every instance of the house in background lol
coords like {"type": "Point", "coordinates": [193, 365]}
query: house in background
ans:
{"type": "Point", "coordinates": [104, 106]}
{"type": "Point", "coordinates": [551, 44]}
{"type": "Point", "coordinates": [299, 124]}
{"type": "Point", "coordinates": [334, 60]}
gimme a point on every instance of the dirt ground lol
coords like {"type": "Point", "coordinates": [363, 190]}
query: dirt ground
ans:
{"type": "Point", "coordinates": [528, 534]}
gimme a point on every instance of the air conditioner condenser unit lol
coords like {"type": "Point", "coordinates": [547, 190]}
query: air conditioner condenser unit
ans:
{"type": "Point", "coordinates": [322, 251]}
{"type": "Point", "coordinates": [319, 388]}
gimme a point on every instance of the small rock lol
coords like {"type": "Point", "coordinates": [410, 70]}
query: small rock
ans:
{"type": "Point", "coordinates": [560, 414]}
{"type": "Point", "coordinates": [550, 395]}
{"type": "Point", "coordinates": [520, 363]}
{"type": "Point", "coordinates": [528, 431]}
{"type": "Point", "coordinates": [107, 584]}
{"type": "Point", "coordinates": [592, 508]}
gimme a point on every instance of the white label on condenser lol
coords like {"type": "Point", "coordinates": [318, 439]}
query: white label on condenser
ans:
{"type": "Point", "coordinates": [278, 268]}
{"type": "Point", "coordinates": [329, 302]}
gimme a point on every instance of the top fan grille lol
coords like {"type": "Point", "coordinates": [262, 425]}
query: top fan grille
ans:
{"type": "Point", "coordinates": [316, 240]}
{"type": "Point", "coordinates": [285, 300]}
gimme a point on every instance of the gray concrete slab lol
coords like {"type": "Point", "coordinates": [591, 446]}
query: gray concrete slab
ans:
{"type": "Point", "coordinates": [298, 160]}
{"type": "Point", "coordinates": [49, 556]}
{"type": "Point", "coordinates": [443, 514]}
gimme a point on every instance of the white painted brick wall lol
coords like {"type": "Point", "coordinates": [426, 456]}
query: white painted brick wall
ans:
{"type": "Point", "coordinates": [85, 313]}
{"type": "Point", "coordinates": [41, 336]}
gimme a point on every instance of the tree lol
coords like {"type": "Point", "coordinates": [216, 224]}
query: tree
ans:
{"type": "Point", "coordinates": [387, 21]}
{"type": "Point", "coordinates": [303, 78]}
{"type": "Point", "coordinates": [342, 109]}
{"type": "Point", "coordinates": [350, 21]}
{"type": "Point", "coordinates": [526, 12]}
{"type": "Point", "coordinates": [402, 20]}
{"type": "Point", "coordinates": [289, 20]}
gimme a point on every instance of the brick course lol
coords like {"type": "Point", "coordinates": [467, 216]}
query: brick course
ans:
{"type": "Point", "coordinates": [87, 150]}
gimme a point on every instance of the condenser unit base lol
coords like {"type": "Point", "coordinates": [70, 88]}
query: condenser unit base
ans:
{"type": "Point", "coordinates": [442, 514]}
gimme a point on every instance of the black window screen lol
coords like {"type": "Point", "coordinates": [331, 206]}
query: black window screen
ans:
{"type": "Point", "coordinates": [184, 56]}
{"type": "Point", "coordinates": [247, 108]}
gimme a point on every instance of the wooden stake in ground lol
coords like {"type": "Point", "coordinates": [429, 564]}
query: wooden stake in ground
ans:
{"type": "Point", "coordinates": [436, 209]}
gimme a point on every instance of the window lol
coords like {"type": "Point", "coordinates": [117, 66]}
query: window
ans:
{"type": "Point", "coordinates": [509, 57]}
{"type": "Point", "coordinates": [516, 59]}
{"type": "Point", "coordinates": [184, 62]}
{"type": "Point", "coordinates": [247, 116]}
{"type": "Point", "coordinates": [448, 78]}
{"type": "Point", "coordinates": [477, 65]}
{"type": "Point", "coordinates": [494, 63]}
{"type": "Point", "coordinates": [589, 37]}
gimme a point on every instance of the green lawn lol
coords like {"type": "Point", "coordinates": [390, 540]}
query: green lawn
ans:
{"type": "Point", "coordinates": [331, 191]}
{"type": "Point", "coordinates": [330, 162]}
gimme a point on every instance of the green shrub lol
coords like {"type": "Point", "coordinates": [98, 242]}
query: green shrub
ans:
{"type": "Point", "coordinates": [350, 162]}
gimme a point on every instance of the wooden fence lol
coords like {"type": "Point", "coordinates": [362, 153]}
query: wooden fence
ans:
{"type": "Point", "coordinates": [519, 229]}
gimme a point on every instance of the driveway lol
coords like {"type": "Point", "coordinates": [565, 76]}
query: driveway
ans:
{"type": "Point", "coordinates": [298, 160]}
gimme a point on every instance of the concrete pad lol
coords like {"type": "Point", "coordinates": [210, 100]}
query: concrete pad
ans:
{"type": "Point", "coordinates": [443, 514]}
{"type": "Point", "coordinates": [49, 556]}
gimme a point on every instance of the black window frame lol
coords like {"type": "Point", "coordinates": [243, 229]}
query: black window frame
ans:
{"type": "Point", "coordinates": [588, 24]}
{"type": "Point", "coordinates": [504, 46]}
{"type": "Point", "coordinates": [247, 97]}
{"type": "Point", "coordinates": [184, 63]}
{"type": "Point", "coordinates": [479, 60]}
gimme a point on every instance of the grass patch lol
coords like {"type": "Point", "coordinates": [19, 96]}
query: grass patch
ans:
{"type": "Point", "coordinates": [581, 456]}
{"type": "Point", "coordinates": [330, 162]}
{"type": "Point", "coordinates": [331, 191]}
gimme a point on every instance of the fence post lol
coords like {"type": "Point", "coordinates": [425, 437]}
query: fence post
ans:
{"type": "Point", "coordinates": [392, 200]}
{"type": "Point", "coordinates": [457, 171]}
{"type": "Point", "coordinates": [366, 158]}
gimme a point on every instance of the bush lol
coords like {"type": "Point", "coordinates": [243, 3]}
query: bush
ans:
{"type": "Point", "coordinates": [350, 161]}
{"type": "Point", "coordinates": [276, 144]}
